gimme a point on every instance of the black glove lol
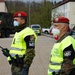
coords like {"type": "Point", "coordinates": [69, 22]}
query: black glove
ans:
{"type": "Point", "coordinates": [19, 60]}
{"type": "Point", "coordinates": [14, 62]}
{"type": "Point", "coordinates": [5, 52]}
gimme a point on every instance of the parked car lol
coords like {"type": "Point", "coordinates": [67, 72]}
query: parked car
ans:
{"type": "Point", "coordinates": [46, 30]}
{"type": "Point", "coordinates": [36, 28]}
{"type": "Point", "coordinates": [73, 34]}
{"type": "Point", "coordinates": [72, 31]}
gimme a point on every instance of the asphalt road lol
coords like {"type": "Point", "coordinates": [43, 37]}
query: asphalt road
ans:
{"type": "Point", "coordinates": [40, 62]}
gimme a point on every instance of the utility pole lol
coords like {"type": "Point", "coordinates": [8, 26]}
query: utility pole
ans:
{"type": "Point", "coordinates": [29, 14]}
{"type": "Point", "coordinates": [44, 1]}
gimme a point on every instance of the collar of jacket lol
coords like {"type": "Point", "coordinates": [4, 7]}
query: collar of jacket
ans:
{"type": "Point", "coordinates": [65, 35]}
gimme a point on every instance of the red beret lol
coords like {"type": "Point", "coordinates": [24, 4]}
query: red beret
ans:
{"type": "Point", "coordinates": [20, 14]}
{"type": "Point", "coordinates": [61, 20]}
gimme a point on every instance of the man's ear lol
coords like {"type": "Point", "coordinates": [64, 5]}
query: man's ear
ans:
{"type": "Point", "coordinates": [66, 28]}
{"type": "Point", "coordinates": [23, 21]}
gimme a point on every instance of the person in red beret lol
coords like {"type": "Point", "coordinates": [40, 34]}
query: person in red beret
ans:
{"type": "Point", "coordinates": [61, 26]}
{"type": "Point", "coordinates": [62, 55]}
{"type": "Point", "coordinates": [22, 50]}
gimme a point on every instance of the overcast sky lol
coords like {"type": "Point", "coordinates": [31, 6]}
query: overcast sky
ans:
{"type": "Point", "coordinates": [40, 0]}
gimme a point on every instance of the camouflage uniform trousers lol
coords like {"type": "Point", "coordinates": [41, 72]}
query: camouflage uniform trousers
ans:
{"type": "Point", "coordinates": [19, 71]}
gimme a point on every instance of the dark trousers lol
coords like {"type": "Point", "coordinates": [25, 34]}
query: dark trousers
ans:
{"type": "Point", "coordinates": [72, 72]}
{"type": "Point", "coordinates": [19, 71]}
{"type": "Point", "coordinates": [25, 71]}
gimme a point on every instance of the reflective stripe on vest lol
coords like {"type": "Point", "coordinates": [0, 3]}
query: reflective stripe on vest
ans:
{"type": "Point", "coordinates": [18, 45]}
{"type": "Point", "coordinates": [17, 51]}
{"type": "Point", "coordinates": [57, 54]}
{"type": "Point", "coordinates": [54, 63]}
{"type": "Point", "coordinates": [53, 67]}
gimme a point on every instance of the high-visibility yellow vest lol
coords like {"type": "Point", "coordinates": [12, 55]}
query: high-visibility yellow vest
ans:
{"type": "Point", "coordinates": [56, 58]}
{"type": "Point", "coordinates": [18, 45]}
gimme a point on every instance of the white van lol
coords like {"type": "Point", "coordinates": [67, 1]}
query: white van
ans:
{"type": "Point", "coordinates": [36, 28]}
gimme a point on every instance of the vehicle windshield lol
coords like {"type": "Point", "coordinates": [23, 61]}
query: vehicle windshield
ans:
{"type": "Point", "coordinates": [35, 26]}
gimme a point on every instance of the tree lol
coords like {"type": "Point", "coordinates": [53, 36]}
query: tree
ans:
{"type": "Point", "coordinates": [40, 13]}
{"type": "Point", "coordinates": [45, 12]}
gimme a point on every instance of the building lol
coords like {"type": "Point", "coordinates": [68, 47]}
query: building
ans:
{"type": "Point", "coordinates": [65, 8]}
{"type": "Point", "coordinates": [3, 7]}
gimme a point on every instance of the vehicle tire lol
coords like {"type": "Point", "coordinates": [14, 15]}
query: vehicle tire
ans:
{"type": "Point", "coordinates": [39, 34]}
{"type": "Point", "coordinates": [7, 33]}
{"type": "Point", "coordinates": [46, 32]}
{"type": "Point", "coordinates": [2, 34]}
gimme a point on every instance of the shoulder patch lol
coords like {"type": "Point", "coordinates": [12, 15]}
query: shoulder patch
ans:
{"type": "Point", "coordinates": [32, 41]}
{"type": "Point", "coordinates": [67, 53]}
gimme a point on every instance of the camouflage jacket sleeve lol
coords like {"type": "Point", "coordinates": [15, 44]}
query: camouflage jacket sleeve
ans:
{"type": "Point", "coordinates": [66, 67]}
{"type": "Point", "coordinates": [30, 52]}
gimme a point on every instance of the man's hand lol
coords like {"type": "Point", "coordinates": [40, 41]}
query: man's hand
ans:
{"type": "Point", "coordinates": [13, 61]}
{"type": "Point", "coordinates": [19, 61]}
{"type": "Point", "coordinates": [5, 52]}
